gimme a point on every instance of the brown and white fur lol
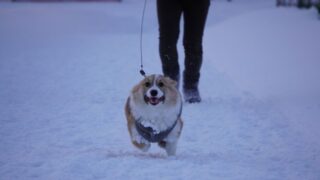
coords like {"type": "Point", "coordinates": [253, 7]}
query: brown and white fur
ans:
{"type": "Point", "coordinates": [156, 103]}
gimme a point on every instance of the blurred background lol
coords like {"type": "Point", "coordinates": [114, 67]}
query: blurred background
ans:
{"type": "Point", "coordinates": [67, 67]}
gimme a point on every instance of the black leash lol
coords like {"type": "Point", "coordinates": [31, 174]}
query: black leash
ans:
{"type": "Point", "coordinates": [141, 33]}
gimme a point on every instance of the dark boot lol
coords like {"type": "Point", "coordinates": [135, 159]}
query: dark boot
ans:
{"type": "Point", "coordinates": [190, 89]}
{"type": "Point", "coordinates": [191, 74]}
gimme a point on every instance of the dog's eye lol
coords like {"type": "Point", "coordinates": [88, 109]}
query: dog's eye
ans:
{"type": "Point", "coordinates": [160, 84]}
{"type": "Point", "coordinates": [147, 84]}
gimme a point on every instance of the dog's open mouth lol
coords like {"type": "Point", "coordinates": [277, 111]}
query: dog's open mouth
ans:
{"type": "Point", "coordinates": [153, 100]}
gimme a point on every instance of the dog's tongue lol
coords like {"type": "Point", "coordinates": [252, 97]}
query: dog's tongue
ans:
{"type": "Point", "coordinates": [154, 101]}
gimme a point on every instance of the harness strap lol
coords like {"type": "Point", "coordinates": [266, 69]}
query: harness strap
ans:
{"type": "Point", "coordinates": [151, 135]}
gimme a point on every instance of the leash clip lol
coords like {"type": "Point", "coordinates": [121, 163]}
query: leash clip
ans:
{"type": "Point", "coordinates": [142, 73]}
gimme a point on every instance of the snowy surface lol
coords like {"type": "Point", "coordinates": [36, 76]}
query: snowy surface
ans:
{"type": "Point", "coordinates": [67, 69]}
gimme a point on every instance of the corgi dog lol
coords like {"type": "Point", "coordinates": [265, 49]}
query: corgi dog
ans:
{"type": "Point", "coordinates": [153, 113]}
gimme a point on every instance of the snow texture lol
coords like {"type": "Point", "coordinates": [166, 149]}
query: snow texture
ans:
{"type": "Point", "coordinates": [66, 70]}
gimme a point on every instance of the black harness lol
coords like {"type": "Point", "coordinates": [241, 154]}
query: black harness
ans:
{"type": "Point", "coordinates": [150, 134]}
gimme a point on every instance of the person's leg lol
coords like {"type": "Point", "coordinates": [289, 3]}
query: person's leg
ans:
{"type": "Point", "coordinates": [169, 14]}
{"type": "Point", "coordinates": [195, 14]}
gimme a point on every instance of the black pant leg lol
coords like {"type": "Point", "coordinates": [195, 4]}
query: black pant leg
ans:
{"type": "Point", "coordinates": [169, 15]}
{"type": "Point", "coordinates": [195, 14]}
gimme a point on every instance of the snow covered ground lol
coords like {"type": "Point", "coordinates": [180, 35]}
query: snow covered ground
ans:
{"type": "Point", "coordinates": [67, 69]}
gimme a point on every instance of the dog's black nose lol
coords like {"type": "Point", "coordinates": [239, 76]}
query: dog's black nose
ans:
{"type": "Point", "coordinates": [154, 92]}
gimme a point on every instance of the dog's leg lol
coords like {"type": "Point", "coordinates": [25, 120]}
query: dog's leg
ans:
{"type": "Point", "coordinates": [170, 143]}
{"type": "Point", "coordinates": [138, 141]}
{"type": "Point", "coordinates": [171, 148]}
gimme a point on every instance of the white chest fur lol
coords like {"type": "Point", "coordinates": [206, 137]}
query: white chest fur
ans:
{"type": "Point", "coordinates": [159, 117]}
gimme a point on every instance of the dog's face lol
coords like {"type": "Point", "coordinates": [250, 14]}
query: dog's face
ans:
{"type": "Point", "coordinates": [154, 90]}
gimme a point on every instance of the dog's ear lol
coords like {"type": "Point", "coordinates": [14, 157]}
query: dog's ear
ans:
{"type": "Point", "coordinates": [170, 81]}
{"type": "Point", "coordinates": [136, 88]}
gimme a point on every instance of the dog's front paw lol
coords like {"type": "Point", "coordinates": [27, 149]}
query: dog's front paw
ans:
{"type": "Point", "coordinates": [143, 146]}
{"type": "Point", "coordinates": [171, 148]}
